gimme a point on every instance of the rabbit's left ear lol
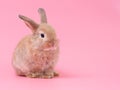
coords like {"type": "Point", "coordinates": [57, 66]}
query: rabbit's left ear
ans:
{"type": "Point", "coordinates": [29, 22]}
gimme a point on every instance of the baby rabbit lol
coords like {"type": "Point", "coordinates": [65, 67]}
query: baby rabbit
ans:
{"type": "Point", "coordinates": [36, 54]}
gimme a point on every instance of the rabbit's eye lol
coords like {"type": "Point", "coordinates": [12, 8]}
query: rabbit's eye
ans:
{"type": "Point", "coordinates": [42, 35]}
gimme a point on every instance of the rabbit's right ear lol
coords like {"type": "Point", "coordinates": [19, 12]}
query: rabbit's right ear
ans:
{"type": "Point", "coordinates": [30, 23]}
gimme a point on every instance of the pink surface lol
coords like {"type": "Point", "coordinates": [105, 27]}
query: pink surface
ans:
{"type": "Point", "coordinates": [89, 32]}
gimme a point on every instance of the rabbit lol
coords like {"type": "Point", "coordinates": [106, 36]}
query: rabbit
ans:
{"type": "Point", "coordinates": [35, 56]}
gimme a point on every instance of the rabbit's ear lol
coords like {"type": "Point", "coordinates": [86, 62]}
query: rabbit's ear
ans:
{"type": "Point", "coordinates": [30, 23]}
{"type": "Point", "coordinates": [42, 13]}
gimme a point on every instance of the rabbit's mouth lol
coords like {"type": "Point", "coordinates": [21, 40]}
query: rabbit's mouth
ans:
{"type": "Point", "coordinates": [50, 46]}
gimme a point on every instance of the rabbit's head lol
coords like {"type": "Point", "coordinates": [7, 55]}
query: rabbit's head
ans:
{"type": "Point", "coordinates": [42, 34]}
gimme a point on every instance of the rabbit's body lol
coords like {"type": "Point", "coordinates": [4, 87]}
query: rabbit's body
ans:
{"type": "Point", "coordinates": [36, 54]}
{"type": "Point", "coordinates": [29, 58]}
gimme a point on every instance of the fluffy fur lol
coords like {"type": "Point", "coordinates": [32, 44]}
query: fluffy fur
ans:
{"type": "Point", "coordinates": [36, 56]}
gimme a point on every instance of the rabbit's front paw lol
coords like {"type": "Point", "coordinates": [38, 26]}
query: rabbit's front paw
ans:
{"type": "Point", "coordinates": [34, 75]}
{"type": "Point", "coordinates": [49, 75]}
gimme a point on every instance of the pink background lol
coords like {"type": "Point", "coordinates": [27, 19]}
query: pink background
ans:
{"type": "Point", "coordinates": [89, 33]}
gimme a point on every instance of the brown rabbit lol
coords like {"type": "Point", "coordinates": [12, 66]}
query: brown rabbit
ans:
{"type": "Point", "coordinates": [37, 54]}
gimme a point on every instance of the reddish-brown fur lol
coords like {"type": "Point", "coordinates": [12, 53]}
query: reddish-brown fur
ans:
{"type": "Point", "coordinates": [35, 56]}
